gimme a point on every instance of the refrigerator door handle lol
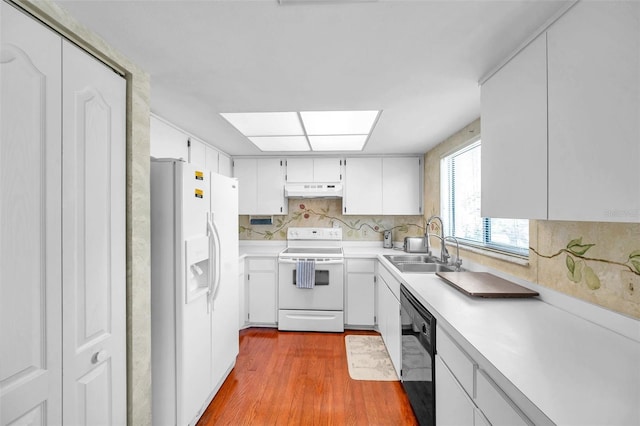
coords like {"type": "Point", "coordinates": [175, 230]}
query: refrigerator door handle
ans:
{"type": "Point", "coordinates": [210, 278]}
{"type": "Point", "coordinates": [218, 258]}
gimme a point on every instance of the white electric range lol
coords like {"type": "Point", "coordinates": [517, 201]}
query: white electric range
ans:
{"type": "Point", "coordinates": [319, 308]}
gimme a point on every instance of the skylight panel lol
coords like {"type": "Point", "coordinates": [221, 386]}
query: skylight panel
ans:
{"type": "Point", "coordinates": [338, 142]}
{"type": "Point", "coordinates": [280, 143]}
{"type": "Point", "coordinates": [338, 122]}
{"type": "Point", "coordinates": [305, 131]}
{"type": "Point", "coordinates": [266, 123]}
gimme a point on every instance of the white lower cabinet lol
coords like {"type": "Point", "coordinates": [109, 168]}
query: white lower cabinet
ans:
{"type": "Point", "coordinates": [389, 323]}
{"type": "Point", "coordinates": [465, 394]}
{"type": "Point", "coordinates": [495, 405]}
{"type": "Point", "coordinates": [242, 296]}
{"type": "Point", "coordinates": [261, 285]}
{"type": "Point", "coordinates": [453, 406]}
{"type": "Point", "coordinates": [360, 293]}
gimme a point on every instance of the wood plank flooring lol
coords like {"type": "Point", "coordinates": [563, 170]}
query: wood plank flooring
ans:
{"type": "Point", "coordinates": [302, 378]}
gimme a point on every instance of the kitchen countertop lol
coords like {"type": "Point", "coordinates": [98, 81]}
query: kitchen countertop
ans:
{"type": "Point", "coordinates": [573, 371]}
{"type": "Point", "coordinates": [556, 366]}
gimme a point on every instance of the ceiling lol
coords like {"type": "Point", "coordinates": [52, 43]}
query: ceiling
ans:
{"type": "Point", "coordinates": [417, 61]}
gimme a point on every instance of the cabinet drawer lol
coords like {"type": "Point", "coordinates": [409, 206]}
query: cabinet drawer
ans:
{"type": "Point", "coordinates": [392, 283]}
{"type": "Point", "coordinates": [495, 405]}
{"type": "Point", "coordinates": [462, 367]}
{"type": "Point", "coordinates": [265, 264]}
{"type": "Point", "coordinates": [361, 265]}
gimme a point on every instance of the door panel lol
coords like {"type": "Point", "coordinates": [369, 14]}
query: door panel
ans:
{"type": "Point", "coordinates": [94, 245]}
{"type": "Point", "coordinates": [30, 238]}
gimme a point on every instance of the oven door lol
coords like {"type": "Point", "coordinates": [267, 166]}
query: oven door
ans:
{"type": "Point", "coordinates": [327, 294]}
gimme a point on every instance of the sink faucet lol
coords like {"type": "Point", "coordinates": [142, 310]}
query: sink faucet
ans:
{"type": "Point", "coordinates": [458, 262]}
{"type": "Point", "coordinates": [444, 254]}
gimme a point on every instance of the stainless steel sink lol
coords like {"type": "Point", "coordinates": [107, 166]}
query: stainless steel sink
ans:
{"type": "Point", "coordinates": [423, 268]}
{"type": "Point", "coordinates": [418, 264]}
{"type": "Point", "coordinates": [397, 259]}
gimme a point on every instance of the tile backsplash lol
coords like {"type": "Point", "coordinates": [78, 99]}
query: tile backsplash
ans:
{"type": "Point", "coordinates": [310, 212]}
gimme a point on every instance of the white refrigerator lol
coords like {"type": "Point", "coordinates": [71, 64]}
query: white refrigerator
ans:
{"type": "Point", "coordinates": [194, 288]}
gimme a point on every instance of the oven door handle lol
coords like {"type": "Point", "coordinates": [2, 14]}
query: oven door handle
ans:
{"type": "Point", "coordinates": [319, 263]}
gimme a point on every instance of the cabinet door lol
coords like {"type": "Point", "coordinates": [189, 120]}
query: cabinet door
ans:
{"type": "Point", "coordinates": [314, 170]}
{"type": "Point", "coordinates": [262, 297]}
{"type": "Point", "coordinates": [390, 315]}
{"type": "Point", "coordinates": [453, 406]}
{"type": "Point", "coordinates": [495, 405]}
{"type": "Point", "coordinates": [363, 186]}
{"type": "Point", "coordinates": [594, 110]}
{"type": "Point", "coordinates": [30, 206]}
{"type": "Point", "coordinates": [270, 187]}
{"type": "Point", "coordinates": [246, 171]}
{"type": "Point", "coordinates": [211, 159]}
{"type": "Point", "coordinates": [514, 137]}
{"type": "Point", "coordinates": [167, 141]}
{"type": "Point", "coordinates": [360, 299]}
{"type": "Point", "coordinates": [401, 186]}
{"type": "Point", "coordinates": [242, 296]}
{"type": "Point", "coordinates": [299, 170]}
{"type": "Point", "coordinates": [327, 170]}
{"type": "Point", "coordinates": [197, 153]}
{"type": "Point", "coordinates": [225, 165]}
{"type": "Point", "coordinates": [93, 222]}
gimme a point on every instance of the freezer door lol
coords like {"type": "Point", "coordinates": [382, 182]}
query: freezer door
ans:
{"type": "Point", "coordinates": [195, 320]}
{"type": "Point", "coordinates": [195, 188]}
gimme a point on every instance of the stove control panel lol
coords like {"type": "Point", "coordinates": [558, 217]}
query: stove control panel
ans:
{"type": "Point", "coordinates": [331, 234]}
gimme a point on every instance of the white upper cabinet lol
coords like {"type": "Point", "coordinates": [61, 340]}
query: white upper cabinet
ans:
{"type": "Point", "coordinates": [386, 186]}
{"type": "Point", "coordinates": [261, 186]}
{"type": "Point", "coordinates": [514, 137]}
{"type": "Point", "coordinates": [363, 186]}
{"type": "Point", "coordinates": [198, 153]}
{"type": "Point", "coordinates": [320, 170]}
{"type": "Point", "coordinates": [225, 165]}
{"type": "Point", "coordinates": [167, 141]}
{"type": "Point", "coordinates": [594, 113]}
{"type": "Point", "coordinates": [211, 159]}
{"type": "Point", "coordinates": [560, 121]}
{"type": "Point", "coordinates": [402, 186]}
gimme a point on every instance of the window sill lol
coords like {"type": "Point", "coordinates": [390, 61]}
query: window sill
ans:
{"type": "Point", "coordinates": [512, 258]}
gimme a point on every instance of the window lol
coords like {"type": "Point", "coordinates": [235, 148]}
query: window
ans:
{"type": "Point", "coordinates": [460, 201]}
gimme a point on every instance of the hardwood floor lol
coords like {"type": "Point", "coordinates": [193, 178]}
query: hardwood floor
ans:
{"type": "Point", "coordinates": [302, 378]}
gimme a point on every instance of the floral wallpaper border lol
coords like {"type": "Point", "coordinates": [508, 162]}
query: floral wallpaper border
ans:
{"type": "Point", "coordinates": [327, 213]}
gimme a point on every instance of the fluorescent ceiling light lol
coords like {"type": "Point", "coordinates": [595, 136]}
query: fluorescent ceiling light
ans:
{"type": "Point", "coordinates": [306, 130]}
{"type": "Point", "coordinates": [338, 142]}
{"type": "Point", "coordinates": [266, 123]}
{"type": "Point", "coordinates": [338, 122]}
{"type": "Point", "coordinates": [280, 143]}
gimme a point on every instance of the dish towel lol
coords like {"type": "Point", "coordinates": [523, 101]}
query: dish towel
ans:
{"type": "Point", "coordinates": [306, 274]}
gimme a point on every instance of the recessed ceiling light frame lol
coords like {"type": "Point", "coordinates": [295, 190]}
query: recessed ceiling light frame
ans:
{"type": "Point", "coordinates": [306, 130]}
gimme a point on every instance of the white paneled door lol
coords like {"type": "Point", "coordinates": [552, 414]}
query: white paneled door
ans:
{"type": "Point", "coordinates": [62, 231]}
{"type": "Point", "coordinates": [30, 235]}
{"type": "Point", "coordinates": [93, 244]}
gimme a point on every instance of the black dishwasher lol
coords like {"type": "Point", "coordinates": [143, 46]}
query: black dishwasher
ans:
{"type": "Point", "coordinates": [418, 357]}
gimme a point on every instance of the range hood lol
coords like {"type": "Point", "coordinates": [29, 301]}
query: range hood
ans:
{"type": "Point", "coordinates": [313, 190]}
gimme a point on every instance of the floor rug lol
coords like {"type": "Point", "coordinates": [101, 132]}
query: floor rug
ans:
{"type": "Point", "coordinates": [368, 359]}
